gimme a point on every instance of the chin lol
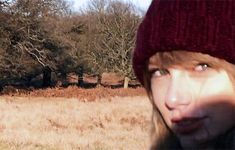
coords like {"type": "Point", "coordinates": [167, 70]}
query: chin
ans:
{"type": "Point", "coordinates": [189, 142]}
{"type": "Point", "coordinates": [196, 139]}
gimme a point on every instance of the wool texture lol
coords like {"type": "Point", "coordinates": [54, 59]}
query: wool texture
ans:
{"type": "Point", "coordinates": [205, 26]}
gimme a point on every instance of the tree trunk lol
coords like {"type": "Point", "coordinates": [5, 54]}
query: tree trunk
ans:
{"type": "Point", "coordinates": [1, 87]}
{"type": "Point", "coordinates": [80, 76]}
{"type": "Point", "coordinates": [46, 77]}
{"type": "Point", "coordinates": [28, 81]}
{"type": "Point", "coordinates": [126, 82]}
{"type": "Point", "coordinates": [99, 80]}
{"type": "Point", "coordinates": [64, 79]}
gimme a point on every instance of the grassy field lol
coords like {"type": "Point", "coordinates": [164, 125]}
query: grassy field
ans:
{"type": "Point", "coordinates": [118, 123]}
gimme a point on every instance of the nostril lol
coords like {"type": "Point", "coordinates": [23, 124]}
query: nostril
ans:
{"type": "Point", "coordinates": [171, 104]}
{"type": "Point", "coordinates": [169, 107]}
{"type": "Point", "coordinates": [176, 103]}
{"type": "Point", "coordinates": [176, 98]}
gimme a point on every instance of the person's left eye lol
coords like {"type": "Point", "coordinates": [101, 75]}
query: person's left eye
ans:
{"type": "Point", "coordinates": [201, 67]}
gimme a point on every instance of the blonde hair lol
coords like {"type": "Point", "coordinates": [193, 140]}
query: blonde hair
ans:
{"type": "Point", "coordinates": [161, 135]}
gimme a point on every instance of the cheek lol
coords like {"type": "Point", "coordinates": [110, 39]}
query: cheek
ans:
{"type": "Point", "coordinates": [221, 119]}
{"type": "Point", "coordinates": [218, 85]}
{"type": "Point", "coordinates": [217, 99]}
{"type": "Point", "coordinates": [159, 91]}
{"type": "Point", "coordinates": [159, 95]}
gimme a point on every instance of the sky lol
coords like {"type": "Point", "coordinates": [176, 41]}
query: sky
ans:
{"type": "Point", "coordinates": [142, 4]}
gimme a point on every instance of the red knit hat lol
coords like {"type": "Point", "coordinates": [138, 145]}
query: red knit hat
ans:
{"type": "Point", "coordinates": [206, 26]}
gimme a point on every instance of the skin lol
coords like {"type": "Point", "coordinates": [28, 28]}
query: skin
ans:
{"type": "Point", "coordinates": [197, 103]}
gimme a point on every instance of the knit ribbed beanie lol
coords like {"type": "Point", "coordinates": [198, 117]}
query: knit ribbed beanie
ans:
{"type": "Point", "coordinates": [205, 26]}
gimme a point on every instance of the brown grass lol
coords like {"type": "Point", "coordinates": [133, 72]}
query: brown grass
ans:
{"type": "Point", "coordinates": [118, 123]}
{"type": "Point", "coordinates": [80, 93]}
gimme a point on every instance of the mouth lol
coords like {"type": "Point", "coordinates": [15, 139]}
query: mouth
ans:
{"type": "Point", "coordinates": [188, 125]}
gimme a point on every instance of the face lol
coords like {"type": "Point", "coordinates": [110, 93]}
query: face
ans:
{"type": "Point", "coordinates": [197, 102]}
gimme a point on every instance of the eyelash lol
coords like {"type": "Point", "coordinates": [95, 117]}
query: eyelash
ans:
{"type": "Point", "coordinates": [162, 72]}
{"type": "Point", "coordinates": [204, 67]}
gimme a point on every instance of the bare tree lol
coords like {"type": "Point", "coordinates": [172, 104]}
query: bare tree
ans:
{"type": "Point", "coordinates": [41, 36]}
{"type": "Point", "coordinates": [111, 35]}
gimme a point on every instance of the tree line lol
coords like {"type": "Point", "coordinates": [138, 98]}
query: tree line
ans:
{"type": "Point", "coordinates": [45, 36]}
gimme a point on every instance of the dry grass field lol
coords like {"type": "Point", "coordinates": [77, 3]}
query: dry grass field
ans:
{"type": "Point", "coordinates": [53, 123]}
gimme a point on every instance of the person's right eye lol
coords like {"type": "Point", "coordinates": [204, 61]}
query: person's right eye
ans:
{"type": "Point", "coordinates": [156, 73]}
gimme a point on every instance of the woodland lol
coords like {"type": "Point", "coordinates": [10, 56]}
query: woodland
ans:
{"type": "Point", "coordinates": [47, 40]}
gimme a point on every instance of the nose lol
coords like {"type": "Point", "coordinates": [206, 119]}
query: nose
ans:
{"type": "Point", "coordinates": [179, 93]}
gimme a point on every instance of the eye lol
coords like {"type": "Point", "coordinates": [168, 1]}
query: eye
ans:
{"type": "Point", "coordinates": [202, 67]}
{"type": "Point", "coordinates": [159, 72]}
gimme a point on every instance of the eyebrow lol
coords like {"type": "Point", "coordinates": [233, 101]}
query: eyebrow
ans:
{"type": "Point", "coordinates": [189, 65]}
{"type": "Point", "coordinates": [152, 66]}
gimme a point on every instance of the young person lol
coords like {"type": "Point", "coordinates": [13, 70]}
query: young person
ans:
{"type": "Point", "coordinates": [185, 58]}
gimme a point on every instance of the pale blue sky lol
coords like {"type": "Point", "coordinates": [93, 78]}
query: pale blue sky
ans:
{"type": "Point", "coordinates": [142, 4]}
